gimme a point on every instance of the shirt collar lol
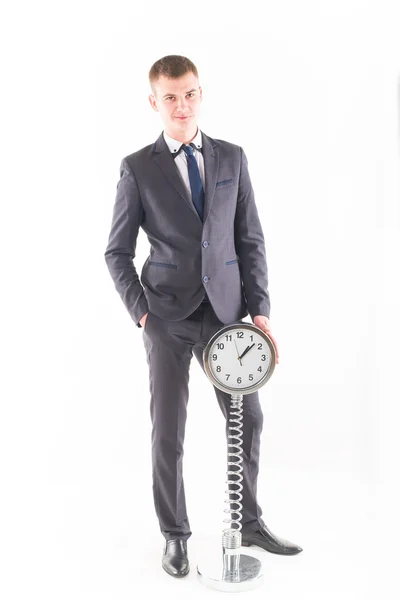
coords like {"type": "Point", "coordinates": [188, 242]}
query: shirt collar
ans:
{"type": "Point", "coordinates": [174, 145]}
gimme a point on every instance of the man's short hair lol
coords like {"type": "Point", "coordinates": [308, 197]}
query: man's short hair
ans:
{"type": "Point", "coordinates": [171, 66]}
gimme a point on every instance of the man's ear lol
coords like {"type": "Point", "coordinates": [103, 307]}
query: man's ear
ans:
{"type": "Point", "coordinates": [153, 104]}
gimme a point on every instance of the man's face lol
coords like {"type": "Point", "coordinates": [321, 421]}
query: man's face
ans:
{"type": "Point", "coordinates": [177, 98]}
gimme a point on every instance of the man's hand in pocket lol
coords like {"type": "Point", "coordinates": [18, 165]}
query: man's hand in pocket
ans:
{"type": "Point", "coordinates": [143, 320]}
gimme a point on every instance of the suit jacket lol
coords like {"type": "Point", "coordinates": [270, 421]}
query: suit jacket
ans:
{"type": "Point", "coordinates": [223, 256]}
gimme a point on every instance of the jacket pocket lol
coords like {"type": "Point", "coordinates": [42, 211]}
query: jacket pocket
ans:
{"type": "Point", "coordinates": [160, 264]}
{"type": "Point", "coordinates": [224, 183]}
{"type": "Point", "coordinates": [231, 262]}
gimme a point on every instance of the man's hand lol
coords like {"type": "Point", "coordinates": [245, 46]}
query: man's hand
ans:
{"type": "Point", "coordinates": [263, 323]}
{"type": "Point", "coordinates": [142, 321]}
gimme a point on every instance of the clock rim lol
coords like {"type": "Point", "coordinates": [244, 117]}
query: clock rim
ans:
{"type": "Point", "coordinates": [222, 331]}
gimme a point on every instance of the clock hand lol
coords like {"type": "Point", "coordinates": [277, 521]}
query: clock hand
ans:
{"type": "Point", "coordinates": [247, 350]}
{"type": "Point", "coordinates": [237, 351]}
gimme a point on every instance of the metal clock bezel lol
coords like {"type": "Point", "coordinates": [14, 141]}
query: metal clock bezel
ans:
{"type": "Point", "coordinates": [234, 390]}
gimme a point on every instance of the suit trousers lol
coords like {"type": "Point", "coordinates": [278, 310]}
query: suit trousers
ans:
{"type": "Point", "coordinates": [169, 349]}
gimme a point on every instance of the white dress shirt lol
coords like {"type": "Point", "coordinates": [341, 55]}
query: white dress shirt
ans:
{"type": "Point", "coordinates": [181, 158]}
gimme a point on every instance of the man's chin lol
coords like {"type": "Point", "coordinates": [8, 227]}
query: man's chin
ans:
{"type": "Point", "coordinates": [183, 121]}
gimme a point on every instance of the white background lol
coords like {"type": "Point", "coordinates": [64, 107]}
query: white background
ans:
{"type": "Point", "coordinates": [310, 90]}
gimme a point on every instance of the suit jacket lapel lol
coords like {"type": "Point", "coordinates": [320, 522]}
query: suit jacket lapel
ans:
{"type": "Point", "coordinates": [211, 168]}
{"type": "Point", "coordinates": [163, 158]}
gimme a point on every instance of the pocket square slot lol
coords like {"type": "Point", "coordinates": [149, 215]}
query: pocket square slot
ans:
{"type": "Point", "coordinates": [224, 182]}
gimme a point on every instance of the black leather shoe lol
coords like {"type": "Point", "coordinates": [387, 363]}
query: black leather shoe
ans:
{"type": "Point", "coordinates": [270, 542]}
{"type": "Point", "coordinates": [175, 559]}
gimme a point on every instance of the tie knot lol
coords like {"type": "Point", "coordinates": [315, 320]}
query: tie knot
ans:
{"type": "Point", "coordinates": [188, 149]}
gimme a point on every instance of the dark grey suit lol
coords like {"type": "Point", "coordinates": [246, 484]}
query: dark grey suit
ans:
{"type": "Point", "coordinates": [198, 277]}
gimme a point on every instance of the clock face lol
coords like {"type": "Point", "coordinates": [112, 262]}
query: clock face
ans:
{"type": "Point", "coordinates": [239, 358]}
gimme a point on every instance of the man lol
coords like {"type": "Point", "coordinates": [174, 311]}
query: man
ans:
{"type": "Point", "coordinates": [193, 197]}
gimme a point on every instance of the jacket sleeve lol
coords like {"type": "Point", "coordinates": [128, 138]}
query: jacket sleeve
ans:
{"type": "Point", "coordinates": [250, 246]}
{"type": "Point", "coordinates": [127, 217]}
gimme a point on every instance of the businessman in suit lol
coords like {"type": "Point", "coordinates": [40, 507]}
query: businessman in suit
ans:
{"type": "Point", "coordinates": [193, 197]}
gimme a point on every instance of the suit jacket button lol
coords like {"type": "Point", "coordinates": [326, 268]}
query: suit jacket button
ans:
{"type": "Point", "coordinates": [205, 278]}
{"type": "Point", "coordinates": [205, 244]}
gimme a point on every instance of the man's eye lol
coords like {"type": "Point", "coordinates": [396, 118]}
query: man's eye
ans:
{"type": "Point", "coordinates": [191, 94]}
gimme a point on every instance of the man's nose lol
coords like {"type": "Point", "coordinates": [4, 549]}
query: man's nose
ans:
{"type": "Point", "coordinates": [182, 103]}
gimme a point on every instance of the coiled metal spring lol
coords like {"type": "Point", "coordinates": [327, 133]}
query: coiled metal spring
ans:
{"type": "Point", "coordinates": [236, 410]}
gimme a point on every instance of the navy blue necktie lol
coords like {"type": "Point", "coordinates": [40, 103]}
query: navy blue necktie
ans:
{"type": "Point", "coordinates": [196, 183]}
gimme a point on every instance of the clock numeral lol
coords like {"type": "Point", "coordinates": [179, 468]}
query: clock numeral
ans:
{"type": "Point", "coordinates": [260, 346]}
{"type": "Point", "coordinates": [250, 377]}
{"type": "Point", "coordinates": [214, 357]}
{"type": "Point", "coordinates": [239, 334]}
{"type": "Point", "coordinates": [239, 380]}
{"type": "Point", "coordinates": [220, 346]}
{"type": "Point", "coordinates": [259, 369]}
{"type": "Point", "coordinates": [227, 376]}
{"type": "Point", "coordinates": [251, 337]}
{"type": "Point", "coordinates": [228, 337]}
{"type": "Point", "coordinates": [263, 357]}
{"type": "Point", "coordinates": [218, 369]}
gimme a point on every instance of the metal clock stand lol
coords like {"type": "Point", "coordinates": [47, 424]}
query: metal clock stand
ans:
{"type": "Point", "coordinates": [228, 369]}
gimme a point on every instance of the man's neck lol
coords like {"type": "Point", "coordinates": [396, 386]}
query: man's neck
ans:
{"type": "Point", "coordinates": [183, 137]}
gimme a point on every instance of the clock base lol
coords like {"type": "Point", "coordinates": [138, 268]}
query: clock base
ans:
{"type": "Point", "coordinates": [248, 576]}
